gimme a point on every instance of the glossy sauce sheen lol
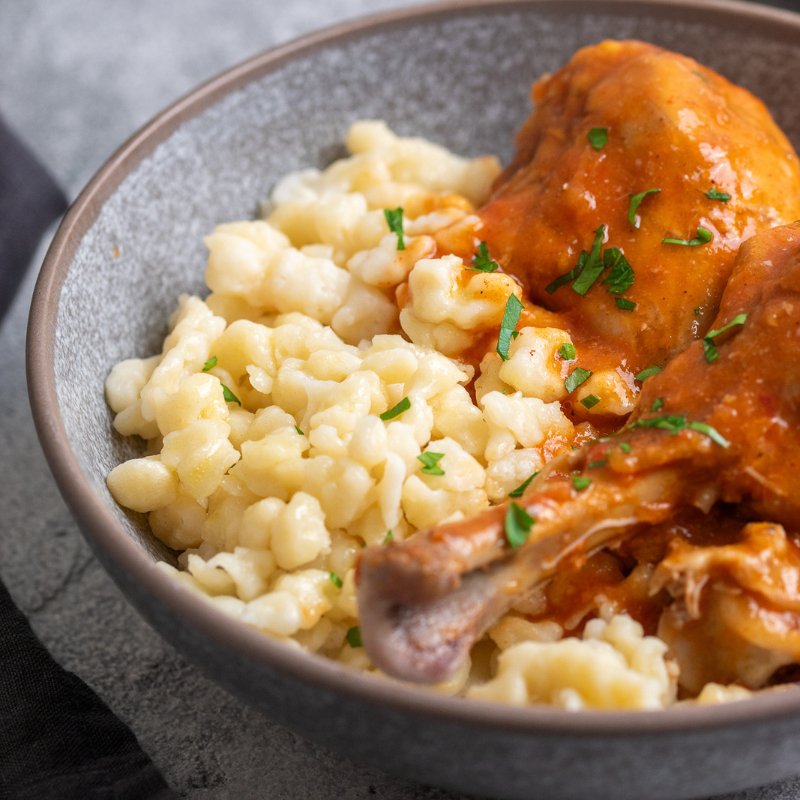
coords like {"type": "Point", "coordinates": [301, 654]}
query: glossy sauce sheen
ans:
{"type": "Point", "coordinates": [673, 125]}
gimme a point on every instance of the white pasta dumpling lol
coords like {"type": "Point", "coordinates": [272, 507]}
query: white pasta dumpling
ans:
{"type": "Point", "coordinates": [488, 378]}
{"type": "Point", "coordinates": [179, 524]}
{"type": "Point", "coordinates": [365, 312]}
{"type": "Point", "coordinates": [343, 487]}
{"type": "Point", "coordinates": [512, 470]}
{"type": "Point", "coordinates": [126, 380]}
{"type": "Point", "coordinates": [457, 417]}
{"type": "Point", "coordinates": [143, 484]}
{"type": "Point", "coordinates": [200, 454]}
{"type": "Point", "coordinates": [516, 420]}
{"type": "Point", "coordinates": [298, 533]}
{"type": "Point", "coordinates": [296, 602]}
{"type": "Point", "coordinates": [449, 481]}
{"type": "Point", "coordinates": [240, 255]}
{"type": "Point", "coordinates": [186, 350]}
{"type": "Point", "coordinates": [244, 344]}
{"type": "Point", "coordinates": [197, 397]}
{"type": "Point", "coordinates": [614, 666]}
{"type": "Point", "coordinates": [385, 266]}
{"type": "Point", "coordinates": [415, 160]}
{"type": "Point", "coordinates": [311, 285]}
{"type": "Point", "coordinates": [615, 393]}
{"type": "Point", "coordinates": [447, 304]}
{"type": "Point", "coordinates": [273, 465]}
{"type": "Point", "coordinates": [534, 366]}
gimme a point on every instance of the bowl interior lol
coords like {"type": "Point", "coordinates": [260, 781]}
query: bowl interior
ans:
{"type": "Point", "coordinates": [460, 77]}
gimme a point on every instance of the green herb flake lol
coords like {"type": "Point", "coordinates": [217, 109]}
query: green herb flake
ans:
{"type": "Point", "coordinates": [593, 265]}
{"type": "Point", "coordinates": [598, 138]}
{"type": "Point", "coordinates": [623, 304]}
{"type": "Point", "coordinates": [712, 433]}
{"type": "Point", "coordinates": [578, 376]}
{"type": "Point", "coordinates": [590, 401]}
{"type": "Point", "coordinates": [482, 262]}
{"type": "Point", "coordinates": [397, 410]}
{"type": "Point", "coordinates": [508, 324]}
{"type": "Point", "coordinates": [698, 311]}
{"type": "Point", "coordinates": [520, 490]}
{"type": "Point", "coordinates": [709, 347]}
{"type": "Point", "coordinates": [581, 482]}
{"type": "Point", "coordinates": [703, 236]}
{"type": "Point", "coordinates": [564, 279]}
{"type": "Point", "coordinates": [625, 447]}
{"type": "Point", "coordinates": [601, 462]}
{"type": "Point", "coordinates": [430, 463]}
{"type": "Point", "coordinates": [633, 206]}
{"type": "Point", "coordinates": [353, 636]}
{"type": "Point", "coordinates": [621, 276]}
{"type": "Point", "coordinates": [567, 351]}
{"type": "Point", "coordinates": [714, 194]}
{"type": "Point", "coordinates": [389, 537]}
{"type": "Point", "coordinates": [646, 373]}
{"type": "Point", "coordinates": [658, 404]}
{"type": "Point", "coordinates": [674, 423]}
{"type": "Point", "coordinates": [518, 525]}
{"type": "Point", "coordinates": [297, 428]}
{"type": "Point", "coordinates": [335, 580]}
{"type": "Point", "coordinates": [229, 396]}
{"type": "Point", "coordinates": [394, 219]}
{"type": "Point", "coordinates": [210, 364]}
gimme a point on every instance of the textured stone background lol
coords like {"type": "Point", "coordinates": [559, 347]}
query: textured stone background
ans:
{"type": "Point", "coordinates": [77, 79]}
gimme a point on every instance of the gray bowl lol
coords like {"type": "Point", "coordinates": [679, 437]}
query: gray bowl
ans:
{"type": "Point", "coordinates": [459, 74]}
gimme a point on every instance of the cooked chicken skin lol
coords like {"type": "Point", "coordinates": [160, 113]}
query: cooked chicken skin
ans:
{"type": "Point", "coordinates": [671, 125]}
{"type": "Point", "coordinates": [710, 427]}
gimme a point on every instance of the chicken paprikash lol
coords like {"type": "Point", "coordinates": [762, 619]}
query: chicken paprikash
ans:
{"type": "Point", "coordinates": [650, 210]}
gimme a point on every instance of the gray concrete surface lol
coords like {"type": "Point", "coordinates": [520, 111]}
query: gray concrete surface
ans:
{"type": "Point", "coordinates": [77, 78]}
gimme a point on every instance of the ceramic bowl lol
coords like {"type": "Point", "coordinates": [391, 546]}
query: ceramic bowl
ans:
{"type": "Point", "coordinates": [459, 74]}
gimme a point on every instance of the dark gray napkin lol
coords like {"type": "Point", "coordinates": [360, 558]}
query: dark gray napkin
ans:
{"type": "Point", "coordinates": [57, 738]}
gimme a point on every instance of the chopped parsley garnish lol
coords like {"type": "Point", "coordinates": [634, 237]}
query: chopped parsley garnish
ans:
{"type": "Point", "coordinates": [714, 194]}
{"type": "Point", "coordinates": [698, 311]}
{"type": "Point", "coordinates": [397, 410]}
{"type": "Point", "coordinates": [598, 137]}
{"type": "Point", "coordinates": [520, 490]}
{"type": "Point", "coordinates": [394, 219]}
{"type": "Point", "coordinates": [389, 537]}
{"type": "Point", "coordinates": [482, 262]}
{"type": "Point", "coordinates": [633, 206]}
{"type": "Point", "coordinates": [625, 447]}
{"type": "Point", "coordinates": [210, 364]}
{"type": "Point", "coordinates": [623, 304]}
{"type": "Point", "coordinates": [580, 482]}
{"type": "Point", "coordinates": [229, 396]}
{"type": "Point", "coordinates": [578, 376]}
{"type": "Point", "coordinates": [646, 373]}
{"type": "Point", "coordinates": [601, 462]}
{"type": "Point", "coordinates": [674, 423]}
{"type": "Point", "coordinates": [561, 280]}
{"type": "Point", "coordinates": [518, 525]}
{"type": "Point", "coordinates": [703, 236]}
{"type": "Point", "coordinates": [590, 401]}
{"type": "Point", "coordinates": [430, 463]}
{"type": "Point", "coordinates": [709, 348]}
{"type": "Point", "coordinates": [658, 404]}
{"type": "Point", "coordinates": [297, 428]}
{"type": "Point", "coordinates": [621, 277]}
{"type": "Point", "coordinates": [508, 324]}
{"type": "Point", "coordinates": [593, 265]}
{"type": "Point", "coordinates": [567, 351]}
{"type": "Point", "coordinates": [335, 580]}
{"type": "Point", "coordinates": [353, 636]}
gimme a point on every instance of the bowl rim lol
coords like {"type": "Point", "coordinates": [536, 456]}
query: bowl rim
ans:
{"type": "Point", "coordinates": [110, 540]}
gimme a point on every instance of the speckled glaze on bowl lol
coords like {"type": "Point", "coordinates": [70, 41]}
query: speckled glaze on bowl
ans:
{"type": "Point", "coordinates": [459, 74]}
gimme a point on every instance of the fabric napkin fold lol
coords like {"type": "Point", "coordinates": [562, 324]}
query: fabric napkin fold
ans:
{"type": "Point", "coordinates": [57, 738]}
